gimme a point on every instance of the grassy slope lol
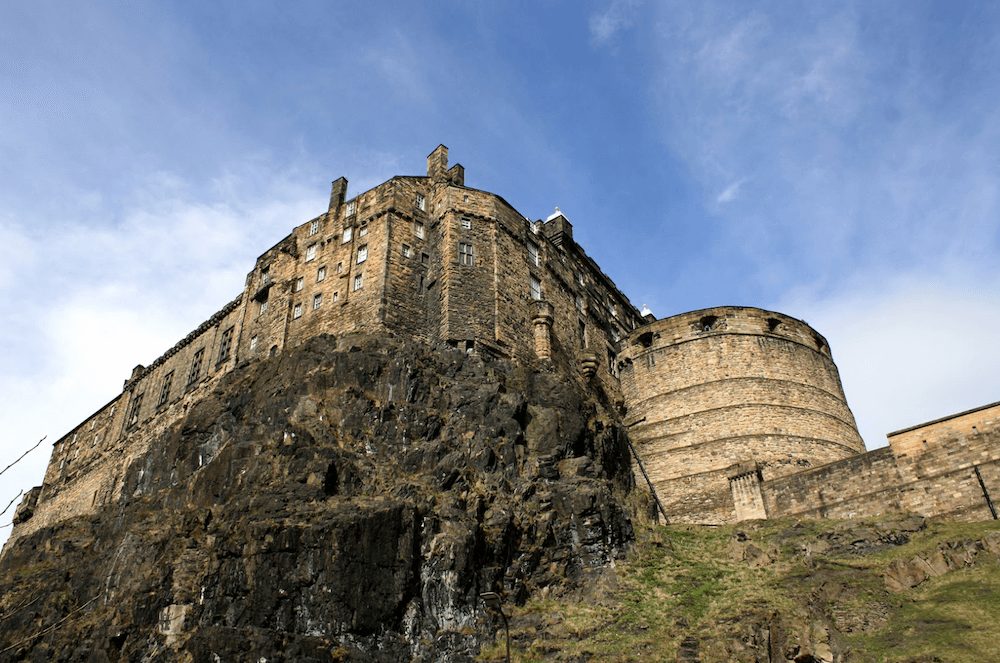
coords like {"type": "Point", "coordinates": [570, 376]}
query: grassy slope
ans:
{"type": "Point", "coordinates": [690, 582]}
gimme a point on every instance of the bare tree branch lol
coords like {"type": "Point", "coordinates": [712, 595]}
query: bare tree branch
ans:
{"type": "Point", "coordinates": [19, 493]}
{"type": "Point", "coordinates": [49, 628]}
{"type": "Point", "coordinates": [24, 454]}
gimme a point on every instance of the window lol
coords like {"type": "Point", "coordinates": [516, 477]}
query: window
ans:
{"type": "Point", "coordinates": [299, 284]}
{"type": "Point", "coordinates": [165, 389]}
{"type": "Point", "coordinates": [321, 274]}
{"type": "Point", "coordinates": [579, 303]}
{"type": "Point", "coordinates": [263, 308]}
{"type": "Point", "coordinates": [583, 334]}
{"type": "Point", "coordinates": [465, 256]}
{"type": "Point", "coordinates": [317, 300]}
{"type": "Point", "coordinates": [418, 229]}
{"type": "Point", "coordinates": [296, 311]}
{"type": "Point", "coordinates": [225, 345]}
{"type": "Point", "coordinates": [362, 253]}
{"type": "Point", "coordinates": [265, 276]}
{"type": "Point", "coordinates": [352, 207]}
{"type": "Point", "coordinates": [533, 253]}
{"type": "Point", "coordinates": [195, 371]}
{"type": "Point", "coordinates": [336, 296]}
{"type": "Point", "coordinates": [421, 202]}
{"type": "Point", "coordinates": [358, 281]}
{"type": "Point", "coordinates": [536, 288]}
{"type": "Point", "coordinates": [133, 413]}
{"type": "Point", "coordinates": [253, 343]}
{"type": "Point", "coordinates": [407, 252]}
{"type": "Point", "coordinates": [348, 235]}
{"type": "Point", "coordinates": [467, 223]}
{"type": "Point", "coordinates": [314, 227]}
{"type": "Point", "coordinates": [340, 268]}
{"type": "Point", "coordinates": [310, 252]}
{"type": "Point", "coordinates": [424, 258]}
{"type": "Point", "coordinates": [363, 230]}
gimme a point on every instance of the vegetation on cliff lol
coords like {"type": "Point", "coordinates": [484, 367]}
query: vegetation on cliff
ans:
{"type": "Point", "coordinates": [897, 589]}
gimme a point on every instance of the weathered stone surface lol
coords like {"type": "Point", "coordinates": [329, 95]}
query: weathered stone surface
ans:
{"type": "Point", "coordinates": [348, 500]}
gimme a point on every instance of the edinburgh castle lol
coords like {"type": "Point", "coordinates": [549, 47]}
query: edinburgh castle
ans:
{"type": "Point", "coordinates": [733, 413]}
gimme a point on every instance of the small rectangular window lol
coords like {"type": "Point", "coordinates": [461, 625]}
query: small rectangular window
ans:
{"type": "Point", "coordinates": [340, 268]}
{"type": "Point", "coordinates": [363, 230]}
{"type": "Point", "coordinates": [358, 281]}
{"type": "Point", "coordinates": [299, 284]}
{"type": "Point", "coordinates": [310, 252]}
{"type": "Point", "coordinates": [418, 229]}
{"type": "Point", "coordinates": [348, 235]}
{"type": "Point", "coordinates": [196, 362]}
{"type": "Point", "coordinates": [362, 253]}
{"type": "Point", "coordinates": [407, 252]}
{"type": "Point", "coordinates": [296, 311]}
{"type": "Point", "coordinates": [317, 300]}
{"type": "Point", "coordinates": [263, 308]}
{"type": "Point", "coordinates": [536, 288]}
{"type": "Point", "coordinates": [424, 258]}
{"type": "Point", "coordinates": [352, 207]}
{"type": "Point", "coordinates": [253, 343]}
{"type": "Point", "coordinates": [225, 345]}
{"type": "Point", "coordinates": [336, 296]}
{"type": "Point", "coordinates": [321, 274]}
{"type": "Point", "coordinates": [265, 276]}
{"type": "Point", "coordinates": [467, 223]}
{"type": "Point", "coordinates": [314, 227]}
{"type": "Point", "coordinates": [421, 202]}
{"type": "Point", "coordinates": [465, 256]}
{"type": "Point", "coordinates": [533, 253]}
{"type": "Point", "coordinates": [133, 413]}
{"type": "Point", "coordinates": [165, 389]}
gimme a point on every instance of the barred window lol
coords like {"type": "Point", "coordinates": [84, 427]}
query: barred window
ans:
{"type": "Point", "coordinates": [421, 202]}
{"type": "Point", "coordinates": [314, 227]}
{"type": "Point", "coordinates": [199, 357]}
{"type": "Point", "coordinates": [133, 413]}
{"type": "Point", "coordinates": [533, 253]}
{"type": "Point", "coordinates": [362, 254]}
{"type": "Point", "coordinates": [310, 252]}
{"type": "Point", "coordinates": [299, 284]}
{"type": "Point", "coordinates": [358, 281]}
{"type": "Point", "coordinates": [536, 288]}
{"type": "Point", "coordinates": [348, 234]}
{"type": "Point", "coordinates": [296, 311]}
{"type": "Point", "coordinates": [317, 301]}
{"type": "Point", "coordinates": [418, 229]}
{"type": "Point", "coordinates": [320, 273]}
{"type": "Point", "coordinates": [165, 389]}
{"type": "Point", "coordinates": [225, 345]}
{"type": "Point", "coordinates": [352, 207]}
{"type": "Point", "coordinates": [465, 256]}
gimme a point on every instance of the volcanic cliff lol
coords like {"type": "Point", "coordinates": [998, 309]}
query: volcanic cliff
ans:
{"type": "Point", "coordinates": [346, 499]}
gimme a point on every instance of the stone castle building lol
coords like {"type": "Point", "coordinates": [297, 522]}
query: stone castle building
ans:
{"type": "Point", "coordinates": [735, 412]}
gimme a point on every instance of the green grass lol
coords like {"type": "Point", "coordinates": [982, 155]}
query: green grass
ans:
{"type": "Point", "coordinates": [690, 581]}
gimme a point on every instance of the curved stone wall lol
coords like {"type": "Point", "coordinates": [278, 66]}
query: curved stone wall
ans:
{"type": "Point", "coordinates": [710, 389]}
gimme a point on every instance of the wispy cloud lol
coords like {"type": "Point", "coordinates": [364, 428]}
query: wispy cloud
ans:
{"type": "Point", "coordinates": [618, 16]}
{"type": "Point", "coordinates": [730, 193]}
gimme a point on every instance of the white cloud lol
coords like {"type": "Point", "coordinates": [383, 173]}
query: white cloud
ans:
{"type": "Point", "coordinates": [619, 15]}
{"type": "Point", "coordinates": [730, 193]}
{"type": "Point", "coordinates": [910, 347]}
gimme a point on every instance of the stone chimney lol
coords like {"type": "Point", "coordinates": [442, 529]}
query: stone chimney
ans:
{"type": "Point", "coordinates": [338, 191]}
{"type": "Point", "coordinates": [456, 175]}
{"type": "Point", "coordinates": [437, 164]}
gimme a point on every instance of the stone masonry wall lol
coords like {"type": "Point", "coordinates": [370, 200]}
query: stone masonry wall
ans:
{"type": "Point", "coordinates": [386, 261]}
{"type": "Point", "coordinates": [713, 388]}
{"type": "Point", "coordinates": [948, 468]}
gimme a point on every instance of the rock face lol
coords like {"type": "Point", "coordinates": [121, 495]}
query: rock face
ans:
{"type": "Point", "coordinates": [345, 500]}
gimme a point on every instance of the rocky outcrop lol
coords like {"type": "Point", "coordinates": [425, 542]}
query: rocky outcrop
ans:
{"type": "Point", "coordinates": [348, 500]}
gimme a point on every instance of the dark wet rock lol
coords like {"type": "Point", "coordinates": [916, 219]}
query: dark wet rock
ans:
{"type": "Point", "coordinates": [333, 504]}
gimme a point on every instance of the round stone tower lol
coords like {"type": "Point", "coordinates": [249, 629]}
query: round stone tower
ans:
{"type": "Point", "coordinates": [722, 398]}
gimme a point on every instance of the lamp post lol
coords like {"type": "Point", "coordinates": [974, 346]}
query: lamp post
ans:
{"type": "Point", "coordinates": [492, 601]}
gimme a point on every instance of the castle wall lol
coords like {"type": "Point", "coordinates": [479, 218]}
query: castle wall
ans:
{"type": "Point", "coordinates": [713, 388]}
{"type": "Point", "coordinates": [948, 468]}
{"type": "Point", "coordinates": [85, 470]}
{"type": "Point", "coordinates": [389, 260]}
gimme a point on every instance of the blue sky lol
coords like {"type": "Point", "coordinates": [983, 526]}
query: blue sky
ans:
{"type": "Point", "coordinates": [838, 162]}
